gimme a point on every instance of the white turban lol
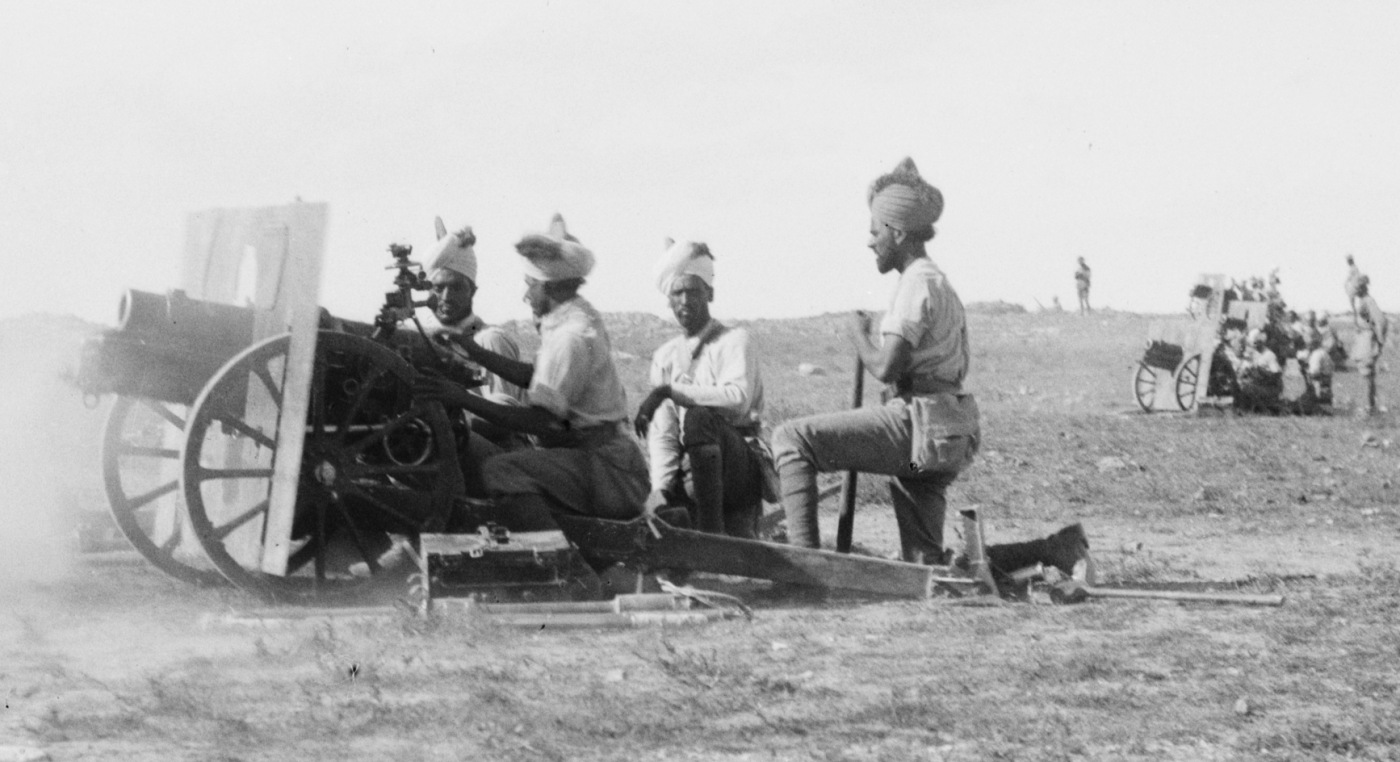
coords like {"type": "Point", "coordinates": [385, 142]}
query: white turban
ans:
{"type": "Point", "coordinates": [555, 255]}
{"type": "Point", "coordinates": [903, 200]}
{"type": "Point", "coordinates": [684, 258]}
{"type": "Point", "coordinates": [454, 252]}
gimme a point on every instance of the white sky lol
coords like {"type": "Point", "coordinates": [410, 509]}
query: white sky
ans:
{"type": "Point", "coordinates": [1158, 140]}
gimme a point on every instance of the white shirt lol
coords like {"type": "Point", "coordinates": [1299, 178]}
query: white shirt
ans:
{"type": "Point", "coordinates": [724, 376]}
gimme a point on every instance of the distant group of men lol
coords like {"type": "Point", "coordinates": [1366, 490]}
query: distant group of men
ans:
{"type": "Point", "coordinates": [1258, 358]}
{"type": "Point", "coordinates": [553, 437]}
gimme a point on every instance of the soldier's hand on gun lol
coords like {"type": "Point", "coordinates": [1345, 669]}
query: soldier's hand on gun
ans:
{"type": "Point", "coordinates": [648, 408]}
{"type": "Point", "coordinates": [432, 386]}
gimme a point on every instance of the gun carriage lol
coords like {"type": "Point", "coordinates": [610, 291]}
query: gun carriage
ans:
{"type": "Point", "coordinates": [190, 444]}
{"type": "Point", "coordinates": [1184, 363]}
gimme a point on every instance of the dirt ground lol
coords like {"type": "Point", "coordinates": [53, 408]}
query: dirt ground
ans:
{"type": "Point", "coordinates": [104, 658]}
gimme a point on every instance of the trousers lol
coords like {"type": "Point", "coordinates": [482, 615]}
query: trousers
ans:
{"type": "Point", "coordinates": [873, 440]}
{"type": "Point", "coordinates": [723, 475]}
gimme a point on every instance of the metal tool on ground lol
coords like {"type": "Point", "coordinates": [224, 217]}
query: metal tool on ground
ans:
{"type": "Point", "coordinates": [1074, 591]}
{"type": "Point", "coordinates": [845, 525]}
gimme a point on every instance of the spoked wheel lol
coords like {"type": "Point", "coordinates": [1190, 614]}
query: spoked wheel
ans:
{"type": "Point", "coordinates": [140, 471]}
{"type": "Point", "coordinates": [1144, 386]}
{"type": "Point", "coordinates": [1186, 379]}
{"type": "Point", "coordinates": [374, 467]}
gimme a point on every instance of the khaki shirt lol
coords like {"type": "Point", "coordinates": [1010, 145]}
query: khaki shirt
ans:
{"type": "Point", "coordinates": [927, 312]}
{"type": "Point", "coordinates": [575, 377]}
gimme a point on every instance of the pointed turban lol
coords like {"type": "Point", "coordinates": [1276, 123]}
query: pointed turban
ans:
{"type": "Point", "coordinates": [555, 254]}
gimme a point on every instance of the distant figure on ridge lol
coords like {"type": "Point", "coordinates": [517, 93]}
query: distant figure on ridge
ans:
{"type": "Point", "coordinates": [1353, 282]}
{"type": "Point", "coordinates": [702, 418]}
{"type": "Point", "coordinates": [1081, 284]}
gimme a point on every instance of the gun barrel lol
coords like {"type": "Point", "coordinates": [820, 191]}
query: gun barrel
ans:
{"type": "Point", "coordinates": [165, 346]}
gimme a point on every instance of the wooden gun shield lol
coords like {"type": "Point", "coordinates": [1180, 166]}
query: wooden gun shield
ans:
{"type": "Point", "coordinates": [267, 258]}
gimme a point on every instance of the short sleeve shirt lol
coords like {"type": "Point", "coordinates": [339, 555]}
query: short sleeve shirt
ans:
{"type": "Point", "coordinates": [927, 313]}
{"type": "Point", "coordinates": [575, 377]}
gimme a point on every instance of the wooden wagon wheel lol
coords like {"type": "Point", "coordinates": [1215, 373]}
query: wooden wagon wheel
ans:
{"type": "Point", "coordinates": [1186, 379]}
{"type": "Point", "coordinates": [1144, 386]}
{"type": "Point", "coordinates": [373, 465]}
{"type": "Point", "coordinates": [140, 477]}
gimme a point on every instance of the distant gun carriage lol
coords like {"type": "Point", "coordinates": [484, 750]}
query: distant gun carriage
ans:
{"type": "Point", "coordinates": [1185, 362]}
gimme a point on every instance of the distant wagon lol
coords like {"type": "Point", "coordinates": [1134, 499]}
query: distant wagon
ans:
{"type": "Point", "coordinates": [1183, 365]}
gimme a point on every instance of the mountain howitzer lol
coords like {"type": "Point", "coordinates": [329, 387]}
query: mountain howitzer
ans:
{"type": "Point", "coordinates": [192, 442]}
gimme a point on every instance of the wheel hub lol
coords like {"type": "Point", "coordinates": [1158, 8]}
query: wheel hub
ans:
{"type": "Point", "coordinates": [325, 473]}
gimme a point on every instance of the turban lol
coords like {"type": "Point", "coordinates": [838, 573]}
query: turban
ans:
{"type": "Point", "coordinates": [903, 200]}
{"type": "Point", "coordinates": [555, 255]}
{"type": "Point", "coordinates": [684, 258]}
{"type": "Point", "coordinates": [454, 252]}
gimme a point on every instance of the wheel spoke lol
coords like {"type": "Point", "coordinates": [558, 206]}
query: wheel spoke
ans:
{"type": "Point", "coordinates": [173, 541]}
{"type": "Point", "coordinates": [132, 503]}
{"type": "Point", "coordinates": [207, 474]}
{"type": "Point", "coordinates": [357, 538]}
{"type": "Point", "coordinates": [126, 448]}
{"type": "Point", "coordinates": [224, 530]}
{"type": "Point", "coordinates": [164, 412]}
{"type": "Point", "coordinates": [265, 376]}
{"type": "Point", "coordinates": [243, 428]}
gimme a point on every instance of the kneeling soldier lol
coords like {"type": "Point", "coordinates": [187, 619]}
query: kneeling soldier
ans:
{"type": "Point", "coordinates": [929, 429]}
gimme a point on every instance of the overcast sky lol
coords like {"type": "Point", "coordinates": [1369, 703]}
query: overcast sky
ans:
{"type": "Point", "coordinates": [1157, 140]}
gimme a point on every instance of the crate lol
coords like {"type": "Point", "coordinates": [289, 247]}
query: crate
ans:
{"type": "Point", "coordinates": [495, 565]}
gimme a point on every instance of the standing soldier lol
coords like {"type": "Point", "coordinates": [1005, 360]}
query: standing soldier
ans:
{"type": "Point", "coordinates": [705, 406]}
{"type": "Point", "coordinates": [1370, 338]}
{"type": "Point", "coordinates": [928, 429]}
{"type": "Point", "coordinates": [1081, 284]}
{"type": "Point", "coordinates": [588, 462]}
{"type": "Point", "coordinates": [1353, 282]}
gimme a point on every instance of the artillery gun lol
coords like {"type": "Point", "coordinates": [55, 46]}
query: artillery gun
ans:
{"type": "Point", "coordinates": [218, 465]}
{"type": "Point", "coordinates": [190, 444]}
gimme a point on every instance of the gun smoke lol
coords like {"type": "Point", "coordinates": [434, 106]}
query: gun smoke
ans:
{"type": "Point", "coordinates": [49, 452]}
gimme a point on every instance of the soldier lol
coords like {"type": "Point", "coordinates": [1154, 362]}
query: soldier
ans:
{"type": "Point", "coordinates": [1081, 284]}
{"type": "Point", "coordinates": [452, 272]}
{"type": "Point", "coordinates": [1317, 367]}
{"type": "Point", "coordinates": [1351, 285]}
{"type": "Point", "coordinates": [588, 462]}
{"type": "Point", "coordinates": [702, 418]}
{"type": "Point", "coordinates": [928, 430]}
{"type": "Point", "coordinates": [1260, 376]}
{"type": "Point", "coordinates": [1370, 339]}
